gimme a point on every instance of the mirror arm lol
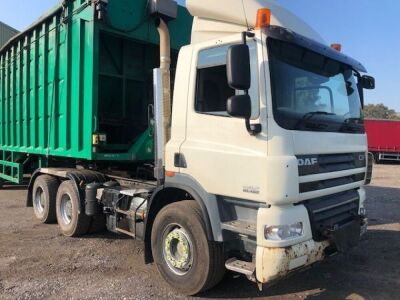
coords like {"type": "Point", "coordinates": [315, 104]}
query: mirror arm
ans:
{"type": "Point", "coordinates": [360, 88]}
{"type": "Point", "coordinates": [245, 35]}
{"type": "Point", "coordinates": [361, 92]}
{"type": "Point", "coordinates": [252, 129]}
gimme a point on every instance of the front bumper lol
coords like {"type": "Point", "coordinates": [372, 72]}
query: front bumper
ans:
{"type": "Point", "coordinates": [274, 263]}
{"type": "Point", "coordinates": [275, 259]}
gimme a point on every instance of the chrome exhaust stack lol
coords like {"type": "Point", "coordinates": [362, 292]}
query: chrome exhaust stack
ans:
{"type": "Point", "coordinates": [163, 11]}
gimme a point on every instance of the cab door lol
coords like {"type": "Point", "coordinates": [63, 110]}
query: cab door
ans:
{"type": "Point", "coordinates": [219, 152]}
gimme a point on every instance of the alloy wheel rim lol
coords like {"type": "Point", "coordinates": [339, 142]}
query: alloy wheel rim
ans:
{"type": "Point", "coordinates": [39, 201]}
{"type": "Point", "coordinates": [177, 249]}
{"type": "Point", "coordinates": [66, 209]}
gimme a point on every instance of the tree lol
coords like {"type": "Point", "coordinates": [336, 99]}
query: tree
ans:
{"type": "Point", "coordinates": [380, 111]}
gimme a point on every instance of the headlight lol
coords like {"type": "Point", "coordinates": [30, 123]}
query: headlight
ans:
{"type": "Point", "coordinates": [283, 232]}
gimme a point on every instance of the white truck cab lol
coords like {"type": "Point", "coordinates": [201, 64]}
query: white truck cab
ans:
{"type": "Point", "coordinates": [285, 189]}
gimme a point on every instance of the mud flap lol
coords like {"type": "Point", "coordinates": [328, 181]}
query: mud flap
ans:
{"type": "Point", "coordinates": [347, 236]}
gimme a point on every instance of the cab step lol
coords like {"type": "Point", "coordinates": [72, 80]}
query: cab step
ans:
{"type": "Point", "coordinates": [242, 267]}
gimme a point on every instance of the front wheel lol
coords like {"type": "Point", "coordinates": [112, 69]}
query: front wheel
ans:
{"type": "Point", "coordinates": [184, 257]}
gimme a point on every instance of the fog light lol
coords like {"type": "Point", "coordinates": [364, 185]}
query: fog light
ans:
{"type": "Point", "coordinates": [283, 232]}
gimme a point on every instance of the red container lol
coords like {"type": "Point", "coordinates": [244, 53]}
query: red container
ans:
{"type": "Point", "coordinates": [383, 135]}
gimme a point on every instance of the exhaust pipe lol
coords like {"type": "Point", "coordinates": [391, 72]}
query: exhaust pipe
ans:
{"type": "Point", "coordinates": [165, 47]}
{"type": "Point", "coordinates": [162, 101]}
{"type": "Point", "coordinates": [163, 11]}
{"type": "Point", "coordinates": [165, 65]}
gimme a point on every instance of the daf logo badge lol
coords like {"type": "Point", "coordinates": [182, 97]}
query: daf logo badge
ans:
{"type": "Point", "coordinates": [307, 161]}
{"type": "Point", "coordinates": [361, 157]}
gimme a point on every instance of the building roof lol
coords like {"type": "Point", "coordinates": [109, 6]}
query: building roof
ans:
{"type": "Point", "coordinates": [6, 33]}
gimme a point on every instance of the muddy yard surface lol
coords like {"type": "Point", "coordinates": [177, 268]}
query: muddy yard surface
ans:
{"type": "Point", "coordinates": [36, 262]}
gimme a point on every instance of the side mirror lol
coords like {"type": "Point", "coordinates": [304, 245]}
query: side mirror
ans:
{"type": "Point", "coordinates": [238, 67]}
{"type": "Point", "coordinates": [368, 82]}
{"type": "Point", "coordinates": [239, 106]}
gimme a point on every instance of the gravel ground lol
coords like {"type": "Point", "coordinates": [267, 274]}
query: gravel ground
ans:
{"type": "Point", "coordinates": [36, 262]}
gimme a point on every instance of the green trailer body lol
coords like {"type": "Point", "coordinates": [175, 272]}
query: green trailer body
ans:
{"type": "Point", "coordinates": [77, 84]}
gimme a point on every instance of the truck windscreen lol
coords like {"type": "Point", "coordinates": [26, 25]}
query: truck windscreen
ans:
{"type": "Point", "coordinates": [312, 92]}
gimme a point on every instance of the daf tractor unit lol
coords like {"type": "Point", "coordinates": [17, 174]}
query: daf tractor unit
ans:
{"type": "Point", "coordinates": [255, 165]}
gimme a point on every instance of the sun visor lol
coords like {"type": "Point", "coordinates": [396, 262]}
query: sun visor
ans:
{"type": "Point", "coordinates": [286, 35]}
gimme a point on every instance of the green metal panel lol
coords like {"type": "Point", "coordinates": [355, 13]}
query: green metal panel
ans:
{"type": "Point", "coordinates": [70, 76]}
{"type": "Point", "coordinates": [46, 87]}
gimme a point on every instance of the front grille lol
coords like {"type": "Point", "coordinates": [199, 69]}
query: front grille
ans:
{"type": "Point", "coordinates": [331, 212]}
{"type": "Point", "coordinates": [329, 183]}
{"type": "Point", "coordinates": [327, 163]}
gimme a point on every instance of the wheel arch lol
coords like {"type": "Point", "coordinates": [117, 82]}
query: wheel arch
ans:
{"type": "Point", "coordinates": [175, 191]}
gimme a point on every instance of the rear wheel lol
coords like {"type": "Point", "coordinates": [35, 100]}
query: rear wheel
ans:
{"type": "Point", "coordinates": [44, 198]}
{"type": "Point", "coordinates": [184, 257]}
{"type": "Point", "coordinates": [72, 220]}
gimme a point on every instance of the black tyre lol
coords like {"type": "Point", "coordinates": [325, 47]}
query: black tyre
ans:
{"type": "Point", "coordinates": [44, 198]}
{"type": "Point", "coordinates": [72, 220]}
{"type": "Point", "coordinates": [184, 257]}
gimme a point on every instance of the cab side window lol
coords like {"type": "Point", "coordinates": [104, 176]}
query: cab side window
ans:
{"type": "Point", "coordinates": [212, 89]}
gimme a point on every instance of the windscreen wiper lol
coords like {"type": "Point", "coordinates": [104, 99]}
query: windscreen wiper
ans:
{"type": "Point", "coordinates": [351, 125]}
{"type": "Point", "coordinates": [351, 120]}
{"type": "Point", "coordinates": [308, 116]}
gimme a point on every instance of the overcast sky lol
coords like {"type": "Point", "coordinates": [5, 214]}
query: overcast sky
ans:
{"type": "Point", "coordinates": [368, 29]}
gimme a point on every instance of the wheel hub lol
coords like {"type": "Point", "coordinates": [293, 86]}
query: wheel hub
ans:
{"type": "Point", "coordinates": [39, 201]}
{"type": "Point", "coordinates": [66, 209]}
{"type": "Point", "coordinates": [177, 251]}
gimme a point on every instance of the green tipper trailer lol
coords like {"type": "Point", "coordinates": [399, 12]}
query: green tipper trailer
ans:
{"type": "Point", "coordinates": [77, 86]}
